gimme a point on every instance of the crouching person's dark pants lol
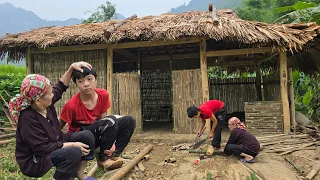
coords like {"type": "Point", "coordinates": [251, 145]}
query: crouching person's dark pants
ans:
{"type": "Point", "coordinates": [220, 116]}
{"type": "Point", "coordinates": [109, 130]}
{"type": "Point", "coordinates": [235, 149]}
{"type": "Point", "coordinates": [67, 160]}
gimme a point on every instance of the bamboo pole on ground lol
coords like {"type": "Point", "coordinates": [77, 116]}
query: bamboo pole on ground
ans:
{"type": "Point", "coordinates": [7, 135]}
{"type": "Point", "coordinates": [315, 169]}
{"type": "Point", "coordinates": [6, 141]}
{"type": "Point", "coordinates": [93, 170]}
{"type": "Point", "coordinates": [124, 170]}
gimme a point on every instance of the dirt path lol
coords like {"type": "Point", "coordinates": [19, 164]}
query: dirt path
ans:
{"type": "Point", "coordinates": [268, 166]}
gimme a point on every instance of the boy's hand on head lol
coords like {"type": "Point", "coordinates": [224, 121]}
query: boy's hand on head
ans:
{"type": "Point", "coordinates": [78, 66]}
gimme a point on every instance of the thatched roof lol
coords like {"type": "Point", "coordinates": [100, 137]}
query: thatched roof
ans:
{"type": "Point", "coordinates": [167, 27]}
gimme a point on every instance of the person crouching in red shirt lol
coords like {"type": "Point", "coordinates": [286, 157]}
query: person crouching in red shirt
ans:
{"type": "Point", "coordinates": [214, 110]}
{"type": "Point", "coordinates": [87, 110]}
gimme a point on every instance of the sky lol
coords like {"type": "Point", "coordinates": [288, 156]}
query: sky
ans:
{"type": "Point", "coordinates": [65, 9]}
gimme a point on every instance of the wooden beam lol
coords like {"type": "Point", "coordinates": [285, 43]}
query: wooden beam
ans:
{"type": "Point", "coordinates": [69, 48]}
{"type": "Point", "coordinates": [284, 91]}
{"type": "Point", "coordinates": [234, 52]}
{"type": "Point", "coordinates": [126, 54]}
{"type": "Point", "coordinates": [29, 61]}
{"type": "Point", "coordinates": [110, 77]}
{"type": "Point", "coordinates": [154, 43]}
{"type": "Point", "coordinates": [258, 83]}
{"type": "Point", "coordinates": [204, 77]}
{"type": "Point", "coordinates": [167, 57]}
{"type": "Point", "coordinates": [291, 97]}
{"type": "Point", "coordinates": [235, 63]}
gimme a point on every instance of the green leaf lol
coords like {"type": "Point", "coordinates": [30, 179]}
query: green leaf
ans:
{"type": "Point", "coordinates": [307, 97]}
{"type": "Point", "coordinates": [295, 77]}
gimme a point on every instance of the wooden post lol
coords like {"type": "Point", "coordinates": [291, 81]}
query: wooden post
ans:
{"type": "Point", "coordinates": [110, 76]}
{"type": "Point", "coordinates": [291, 97]}
{"type": "Point", "coordinates": [29, 61]}
{"type": "Point", "coordinates": [284, 92]}
{"type": "Point", "coordinates": [204, 77]}
{"type": "Point", "coordinates": [258, 82]}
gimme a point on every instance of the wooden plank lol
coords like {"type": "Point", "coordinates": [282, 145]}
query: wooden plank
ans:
{"type": "Point", "coordinates": [204, 77]}
{"type": "Point", "coordinates": [234, 52]}
{"type": "Point", "coordinates": [29, 61]}
{"type": "Point", "coordinates": [291, 98]}
{"type": "Point", "coordinates": [110, 76]}
{"type": "Point", "coordinates": [155, 43]}
{"type": "Point", "coordinates": [284, 91]}
{"type": "Point", "coordinates": [69, 48]}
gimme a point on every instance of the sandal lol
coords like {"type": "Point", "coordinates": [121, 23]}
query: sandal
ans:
{"type": "Point", "coordinates": [244, 160]}
{"type": "Point", "coordinates": [90, 178]}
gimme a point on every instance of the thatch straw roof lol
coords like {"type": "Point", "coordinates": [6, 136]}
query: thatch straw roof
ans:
{"type": "Point", "coordinates": [167, 27]}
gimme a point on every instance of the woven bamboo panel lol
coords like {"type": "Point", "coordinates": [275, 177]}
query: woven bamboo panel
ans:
{"type": "Point", "coordinates": [54, 65]}
{"type": "Point", "coordinates": [233, 92]}
{"type": "Point", "coordinates": [264, 117]}
{"type": "Point", "coordinates": [187, 90]}
{"type": "Point", "coordinates": [129, 96]}
{"type": "Point", "coordinates": [271, 87]}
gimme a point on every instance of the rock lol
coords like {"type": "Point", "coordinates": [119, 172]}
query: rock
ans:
{"type": "Point", "coordinates": [302, 119]}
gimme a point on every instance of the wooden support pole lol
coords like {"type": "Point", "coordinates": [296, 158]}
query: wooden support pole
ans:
{"type": "Point", "coordinates": [124, 170]}
{"type": "Point", "coordinates": [204, 77]}
{"type": "Point", "coordinates": [284, 92]}
{"type": "Point", "coordinates": [110, 77]}
{"type": "Point", "coordinates": [291, 98]}
{"type": "Point", "coordinates": [258, 82]}
{"type": "Point", "coordinates": [29, 61]}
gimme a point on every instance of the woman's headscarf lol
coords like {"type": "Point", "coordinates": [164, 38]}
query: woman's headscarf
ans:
{"type": "Point", "coordinates": [237, 123]}
{"type": "Point", "coordinates": [32, 87]}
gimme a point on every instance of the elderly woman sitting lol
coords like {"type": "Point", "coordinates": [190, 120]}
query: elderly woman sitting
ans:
{"type": "Point", "coordinates": [241, 142]}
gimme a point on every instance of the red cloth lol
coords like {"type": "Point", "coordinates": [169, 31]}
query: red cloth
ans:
{"type": "Point", "coordinates": [76, 114]}
{"type": "Point", "coordinates": [210, 107]}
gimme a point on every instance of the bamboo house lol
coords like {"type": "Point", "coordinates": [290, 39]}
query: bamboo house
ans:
{"type": "Point", "coordinates": [155, 67]}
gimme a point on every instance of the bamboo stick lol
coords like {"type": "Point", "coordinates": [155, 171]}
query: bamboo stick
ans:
{"type": "Point", "coordinates": [124, 170]}
{"type": "Point", "coordinates": [313, 172]}
{"type": "Point", "coordinates": [7, 135]}
{"type": "Point", "coordinates": [297, 149]}
{"type": "Point", "coordinates": [8, 129]}
{"type": "Point", "coordinates": [93, 170]}
{"type": "Point", "coordinates": [298, 168]}
{"type": "Point", "coordinates": [6, 141]}
{"type": "Point", "coordinates": [317, 153]}
{"type": "Point", "coordinates": [250, 169]}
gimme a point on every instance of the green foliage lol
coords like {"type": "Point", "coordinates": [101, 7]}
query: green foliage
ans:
{"type": "Point", "coordinates": [297, 6]}
{"type": "Point", "coordinates": [311, 14]}
{"type": "Point", "coordinates": [257, 10]}
{"type": "Point", "coordinates": [10, 81]}
{"type": "Point", "coordinates": [307, 94]}
{"type": "Point", "coordinates": [9, 168]}
{"type": "Point", "coordinates": [102, 13]}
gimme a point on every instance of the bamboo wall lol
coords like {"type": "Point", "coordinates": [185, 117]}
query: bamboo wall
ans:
{"type": "Point", "coordinates": [271, 87]}
{"type": "Point", "coordinates": [126, 96]}
{"type": "Point", "coordinates": [53, 66]}
{"type": "Point", "coordinates": [233, 92]}
{"type": "Point", "coordinates": [187, 91]}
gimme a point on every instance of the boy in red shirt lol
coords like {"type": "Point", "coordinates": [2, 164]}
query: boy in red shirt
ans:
{"type": "Point", "coordinates": [214, 110]}
{"type": "Point", "coordinates": [87, 109]}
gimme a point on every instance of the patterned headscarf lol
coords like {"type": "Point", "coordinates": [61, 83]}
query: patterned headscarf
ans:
{"type": "Point", "coordinates": [237, 122]}
{"type": "Point", "coordinates": [32, 87]}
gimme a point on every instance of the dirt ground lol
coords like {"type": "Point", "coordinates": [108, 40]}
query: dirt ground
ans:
{"type": "Point", "coordinates": [269, 166]}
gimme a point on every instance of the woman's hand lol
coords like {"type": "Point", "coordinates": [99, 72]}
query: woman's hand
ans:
{"type": "Point", "coordinates": [83, 147]}
{"type": "Point", "coordinates": [78, 65]}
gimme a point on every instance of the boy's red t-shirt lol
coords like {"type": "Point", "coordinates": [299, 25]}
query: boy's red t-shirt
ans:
{"type": "Point", "coordinates": [210, 107]}
{"type": "Point", "coordinates": [76, 114]}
